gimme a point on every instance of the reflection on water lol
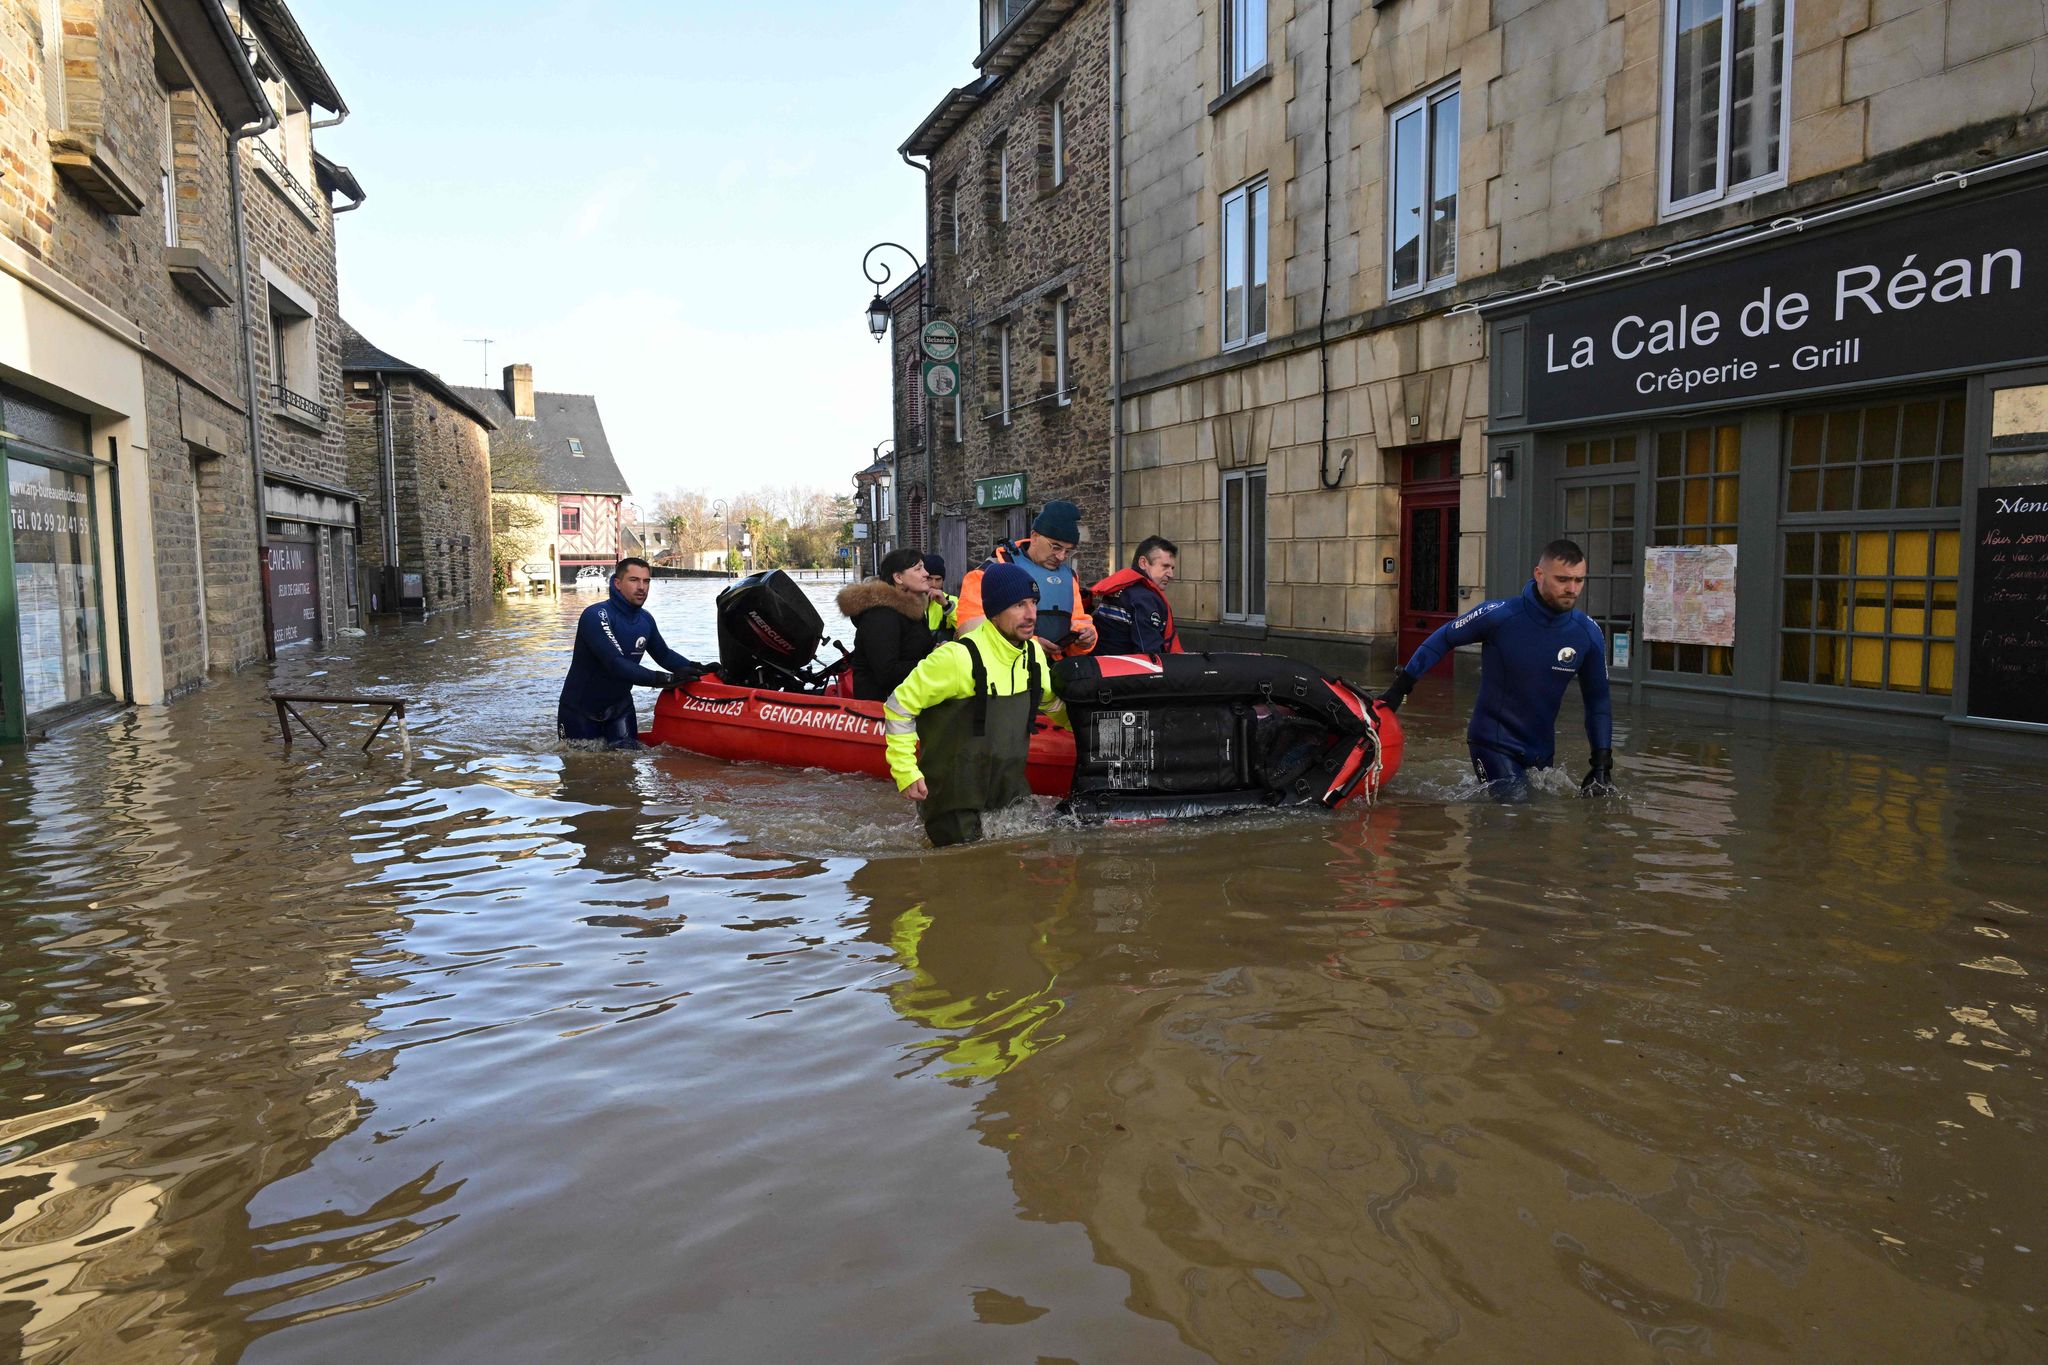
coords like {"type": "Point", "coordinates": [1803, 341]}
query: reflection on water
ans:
{"type": "Point", "coordinates": [518, 1052]}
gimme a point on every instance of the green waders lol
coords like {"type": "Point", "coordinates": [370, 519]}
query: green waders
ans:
{"type": "Point", "coordinates": [973, 751]}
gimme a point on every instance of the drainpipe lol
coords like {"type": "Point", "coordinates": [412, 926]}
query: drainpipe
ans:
{"type": "Point", "coordinates": [255, 396]}
{"type": "Point", "coordinates": [927, 305]}
{"type": "Point", "coordinates": [1116, 283]}
{"type": "Point", "coordinates": [387, 464]}
{"type": "Point", "coordinates": [1323, 475]}
{"type": "Point", "coordinates": [121, 568]}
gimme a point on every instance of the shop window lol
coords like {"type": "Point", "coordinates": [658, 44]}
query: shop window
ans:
{"type": "Point", "coordinates": [1422, 193]}
{"type": "Point", "coordinates": [1244, 40]}
{"type": "Point", "coordinates": [1885, 457]}
{"type": "Point", "coordinates": [1244, 546]}
{"type": "Point", "coordinates": [1726, 64]}
{"type": "Point", "coordinates": [1602, 451]}
{"type": "Point", "coordinates": [1695, 495]}
{"type": "Point", "coordinates": [1244, 265]}
{"type": "Point", "coordinates": [1871, 609]}
{"type": "Point", "coordinates": [56, 586]}
{"type": "Point", "coordinates": [1600, 516]}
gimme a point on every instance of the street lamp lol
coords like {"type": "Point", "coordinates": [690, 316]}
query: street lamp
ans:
{"type": "Point", "coordinates": [724, 536]}
{"type": "Point", "coordinates": [877, 273]}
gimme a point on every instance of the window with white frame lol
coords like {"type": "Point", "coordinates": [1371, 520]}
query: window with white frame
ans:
{"type": "Point", "coordinates": [1059, 142]}
{"type": "Point", "coordinates": [1062, 363]}
{"type": "Point", "coordinates": [1244, 265]}
{"type": "Point", "coordinates": [1726, 67]}
{"type": "Point", "coordinates": [959, 432]}
{"type": "Point", "coordinates": [1244, 545]}
{"type": "Point", "coordinates": [1003, 363]}
{"type": "Point", "coordinates": [1244, 39]}
{"type": "Point", "coordinates": [1422, 192]}
{"type": "Point", "coordinates": [167, 172]}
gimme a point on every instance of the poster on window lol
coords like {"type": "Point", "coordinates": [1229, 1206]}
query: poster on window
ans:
{"type": "Point", "coordinates": [1689, 594]}
{"type": "Point", "coordinates": [56, 587]}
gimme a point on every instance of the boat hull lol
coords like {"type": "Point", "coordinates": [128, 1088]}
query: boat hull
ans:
{"type": "Point", "coordinates": [802, 730]}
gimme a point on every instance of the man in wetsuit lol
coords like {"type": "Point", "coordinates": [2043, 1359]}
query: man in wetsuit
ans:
{"type": "Point", "coordinates": [1130, 607]}
{"type": "Point", "coordinates": [1534, 645]}
{"type": "Point", "coordinates": [958, 729]}
{"type": "Point", "coordinates": [597, 696]}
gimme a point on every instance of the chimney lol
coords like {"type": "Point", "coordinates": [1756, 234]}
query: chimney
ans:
{"type": "Point", "coordinates": [519, 390]}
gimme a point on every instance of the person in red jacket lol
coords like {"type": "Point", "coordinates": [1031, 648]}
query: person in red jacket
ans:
{"type": "Point", "coordinates": [1132, 615]}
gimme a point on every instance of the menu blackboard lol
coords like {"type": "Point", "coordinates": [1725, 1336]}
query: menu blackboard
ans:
{"type": "Point", "coordinates": [294, 603]}
{"type": "Point", "coordinates": [2009, 606]}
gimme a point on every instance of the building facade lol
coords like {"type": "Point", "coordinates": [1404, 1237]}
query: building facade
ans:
{"type": "Point", "coordinates": [135, 541]}
{"type": "Point", "coordinates": [556, 490]}
{"type": "Point", "coordinates": [1018, 260]}
{"type": "Point", "coordinates": [419, 463]}
{"type": "Point", "coordinates": [1395, 278]}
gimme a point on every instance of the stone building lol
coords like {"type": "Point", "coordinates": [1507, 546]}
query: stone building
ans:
{"type": "Point", "coordinates": [893, 490]}
{"type": "Point", "coordinates": [1410, 289]}
{"type": "Point", "coordinates": [556, 491]}
{"type": "Point", "coordinates": [1018, 258]}
{"type": "Point", "coordinates": [310, 518]}
{"type": "Point", "coordinates": [419, 463]}
{"type": "Point", "coordinates": [131, 505]}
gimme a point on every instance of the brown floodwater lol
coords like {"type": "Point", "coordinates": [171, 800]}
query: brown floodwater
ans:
{"type": "Point", "coordinates": [516, 1053]}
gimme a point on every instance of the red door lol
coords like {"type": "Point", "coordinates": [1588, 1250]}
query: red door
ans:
{"type": "Point", "coordinates": [1428, 584]}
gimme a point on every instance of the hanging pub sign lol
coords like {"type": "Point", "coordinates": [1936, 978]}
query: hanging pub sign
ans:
{"type": "Point", "coordinates": [1958, 283]}
{"type": "Point", "coordinates": [2009, 606]}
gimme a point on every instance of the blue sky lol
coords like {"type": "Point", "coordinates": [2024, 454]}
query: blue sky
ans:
{"type": "Point", "coordinates": [661, 204]}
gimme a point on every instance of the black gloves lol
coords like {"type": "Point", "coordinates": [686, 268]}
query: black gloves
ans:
{"type": "Point", "coordinates": [1397, 691]}
{"type": "Point", "coordinates": [1600, 776]}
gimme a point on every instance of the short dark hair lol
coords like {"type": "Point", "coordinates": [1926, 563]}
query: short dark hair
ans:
{"type": "Point", "coordinates": [628, 562]}
{"type": "Point", "coordinates": [896, 561]}
{"type": "Point", "coordinates": [1566, 552]}
{"type": "Point", "coordinates": [1152, 545]}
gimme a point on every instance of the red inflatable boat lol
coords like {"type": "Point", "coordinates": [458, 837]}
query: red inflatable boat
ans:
{"type": "Point", "coordinates": [804, 730]}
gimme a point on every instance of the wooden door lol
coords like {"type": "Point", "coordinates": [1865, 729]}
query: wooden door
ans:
{"type": "Point", "coordinates": [1428, 581]}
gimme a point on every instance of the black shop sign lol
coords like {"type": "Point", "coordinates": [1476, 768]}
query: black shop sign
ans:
{"type": "Point", "coordinates": [293, 570]}
{"type": "Point", "coordinates": [2009, 606]}
{"type": "Point", "coordinates": [1959, 285]}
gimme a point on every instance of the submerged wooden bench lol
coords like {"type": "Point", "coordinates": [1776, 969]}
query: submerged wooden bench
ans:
{"type": "Point", "coordinates": [287, 713]}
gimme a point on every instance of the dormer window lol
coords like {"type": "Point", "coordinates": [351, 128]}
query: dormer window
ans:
{"type": "Point", "coordinates": [576, 447]}
{"type": "Point", "coordinates": [996, 16]}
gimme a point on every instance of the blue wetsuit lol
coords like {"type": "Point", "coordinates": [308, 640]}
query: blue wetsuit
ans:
{"type": "Point", "coordinates": [1531, 653]}
{"type": "Point", "coordinates": [597, 696]}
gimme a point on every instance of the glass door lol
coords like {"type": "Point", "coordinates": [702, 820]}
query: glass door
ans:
{"type": "Point", "coordinates": [1596, 507]}
{"type": "Point", "coordinates": [56, 639]}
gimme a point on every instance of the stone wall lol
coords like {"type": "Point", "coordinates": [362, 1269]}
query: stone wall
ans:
{"type": "Point", "coordinates": [1056, 243]}
{"type": "Point", "coordinates": [443, 492]}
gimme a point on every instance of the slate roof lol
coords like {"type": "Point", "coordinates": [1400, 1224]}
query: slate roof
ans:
{"type": "Point", "coordinates": [288, 40]}
{"type": "Point", "coordinates": [557, 417]}
{"type": "Point", "coordinates": [359, 356]}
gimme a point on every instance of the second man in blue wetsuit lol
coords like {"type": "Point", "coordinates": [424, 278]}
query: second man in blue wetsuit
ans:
{"type": "Point", "coordinates": [1533, 646]}
{"type": "Point", "coordinates": [605, 667]}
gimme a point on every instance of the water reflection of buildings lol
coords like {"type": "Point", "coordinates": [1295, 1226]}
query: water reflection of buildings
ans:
{"type": "Point", "coordinates": [1317, 1107]}
{"type": "Point", "coordinates": [190, 1032]}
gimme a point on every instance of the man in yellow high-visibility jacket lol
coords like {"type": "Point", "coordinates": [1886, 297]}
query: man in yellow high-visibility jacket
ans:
{"type": "Point", "coordinates": [958, 729]}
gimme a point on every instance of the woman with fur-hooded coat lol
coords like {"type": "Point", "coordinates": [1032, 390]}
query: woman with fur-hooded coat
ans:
{"type": "Point", "coordinates": [890, 631]}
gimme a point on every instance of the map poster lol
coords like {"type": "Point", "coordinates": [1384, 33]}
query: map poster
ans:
{"type": "Point", "coordinates": [1689, 594]}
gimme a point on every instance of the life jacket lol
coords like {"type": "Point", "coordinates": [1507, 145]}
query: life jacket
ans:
{"type": "Point", "coordinates": [1110, 589]}
{"type": "Point", "coordinates": [1058, 591]}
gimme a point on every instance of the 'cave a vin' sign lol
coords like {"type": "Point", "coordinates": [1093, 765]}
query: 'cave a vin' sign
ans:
{"type": "Point", "coordinates": [2009, 606]}
{"type": "Point", "coordinates": [1960, 284]}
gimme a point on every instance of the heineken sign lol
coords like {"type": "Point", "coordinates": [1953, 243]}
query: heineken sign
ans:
{"type": "Point", "coordinates": [1004, 490]}
{"type": "Point", "coordinates": [1959, 283]}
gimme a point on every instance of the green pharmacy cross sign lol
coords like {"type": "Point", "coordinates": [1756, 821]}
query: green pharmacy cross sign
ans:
{"type": "Point", "coordinates": [1004, 490]}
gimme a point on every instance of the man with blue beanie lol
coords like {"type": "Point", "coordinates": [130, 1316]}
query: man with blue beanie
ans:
{"type": "Point", "coordinates": [605, 667]}
{"type": "Point", "coordinates": [958, 729]}
{"type": "Point", "coordinates": [1534, 645]}
{"type": "Point", "coordinates": [1063, 622]}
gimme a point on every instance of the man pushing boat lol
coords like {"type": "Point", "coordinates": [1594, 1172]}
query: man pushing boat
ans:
{"type": "Point", "coordinates": [611, 638]}
{"type": "Point", "coordinates": [958, 729]}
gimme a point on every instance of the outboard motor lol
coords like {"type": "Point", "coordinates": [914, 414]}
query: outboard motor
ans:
{"type": "Point", "coordinates": [768, 635]}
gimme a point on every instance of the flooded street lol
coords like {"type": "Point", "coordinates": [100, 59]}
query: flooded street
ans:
{"type": "Point", "coordinates": [513, 1053]}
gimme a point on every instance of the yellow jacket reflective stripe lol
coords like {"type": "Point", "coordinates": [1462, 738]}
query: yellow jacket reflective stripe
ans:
{"type": "Point", "coordinates": [946, 674]}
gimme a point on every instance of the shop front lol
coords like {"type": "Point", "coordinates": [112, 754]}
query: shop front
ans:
{"type": "Point", "coordinates": [1807, 467]}
{"type": "Point", "coordinates": [53, 661]}
{"type": "Point", "coordinates": [309, 560]}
